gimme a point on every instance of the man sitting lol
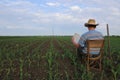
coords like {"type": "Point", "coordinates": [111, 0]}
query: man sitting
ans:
{"type": "Point", "coordinates": [92, 34]}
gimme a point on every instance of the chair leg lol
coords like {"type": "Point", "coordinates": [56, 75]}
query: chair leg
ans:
{"type": "Point", "coordinates": [88, 66]}
{"type": "Point", "coordinates": [100, 65]}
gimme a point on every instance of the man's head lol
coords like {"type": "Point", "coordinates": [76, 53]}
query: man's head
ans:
{"type": "Point", "coordinates": [91, 23]}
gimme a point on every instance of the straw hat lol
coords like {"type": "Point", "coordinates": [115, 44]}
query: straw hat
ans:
{"type": "Point", "coordinates": [91, 22]}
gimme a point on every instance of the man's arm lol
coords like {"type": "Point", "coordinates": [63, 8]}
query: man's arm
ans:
{"type": "Point", "coordinates": [74, 43]}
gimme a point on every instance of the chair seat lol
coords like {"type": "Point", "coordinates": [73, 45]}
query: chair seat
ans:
{"type": "Point", "coordinates": [95, 58]}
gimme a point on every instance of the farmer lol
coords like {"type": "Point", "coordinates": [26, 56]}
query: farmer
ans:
{"type": "Point", "coordinates": [92, 34]}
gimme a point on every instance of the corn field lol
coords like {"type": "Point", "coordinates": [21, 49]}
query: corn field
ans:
{"type": "Point", "coordinates": [52, 58]}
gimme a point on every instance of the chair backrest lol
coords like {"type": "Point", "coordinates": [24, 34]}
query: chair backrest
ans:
{"type": "Point", "coordinates": [94, 44]}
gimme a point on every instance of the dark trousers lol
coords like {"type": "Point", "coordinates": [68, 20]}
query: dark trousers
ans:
{"type": "Point", "coordinates": [80, 53]}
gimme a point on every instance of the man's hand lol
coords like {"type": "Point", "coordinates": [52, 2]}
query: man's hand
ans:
{"type": "Point", "coordinates": [74, 43]}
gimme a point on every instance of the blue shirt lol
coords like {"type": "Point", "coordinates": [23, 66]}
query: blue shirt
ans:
{"type": "Point", "coordinates": [90, 35]}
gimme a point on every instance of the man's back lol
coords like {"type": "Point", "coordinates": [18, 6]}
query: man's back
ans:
{"type": "Point", "coordinates": [90, 35]}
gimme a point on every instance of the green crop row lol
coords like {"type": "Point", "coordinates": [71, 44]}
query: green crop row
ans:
{"type": "Point", "coordinates": [52, 58]}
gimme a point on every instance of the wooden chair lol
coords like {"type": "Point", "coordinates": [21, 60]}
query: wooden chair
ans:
{"type": "Point", "coordinates": [94, 61]}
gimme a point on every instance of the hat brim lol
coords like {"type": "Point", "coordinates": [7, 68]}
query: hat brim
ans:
{"type": "Point", "coordinates": [86, 24]}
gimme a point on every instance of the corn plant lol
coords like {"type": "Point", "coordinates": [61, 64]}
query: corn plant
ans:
{"type": "Point", "coordinates": [21, 69]}
{"type": "Point", "coordinates": [67, 75]}
{"type": "Point", "coordinates": [50, 61]}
